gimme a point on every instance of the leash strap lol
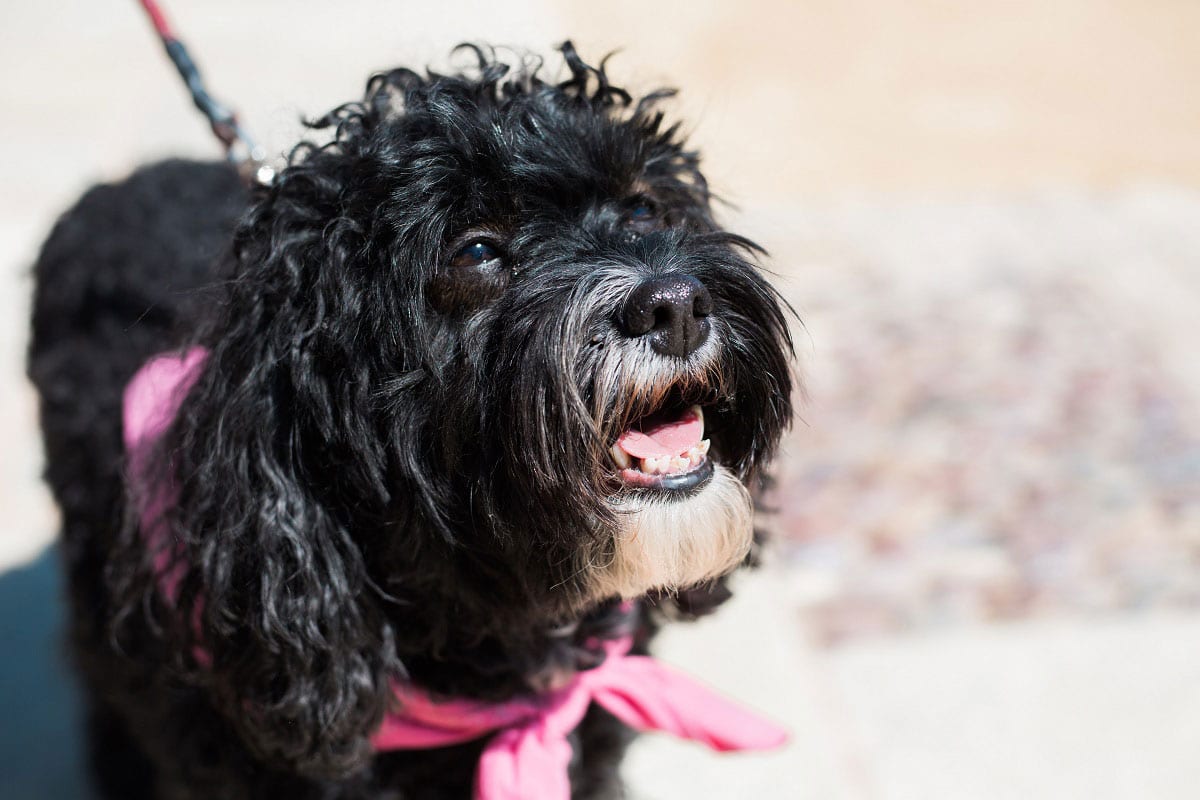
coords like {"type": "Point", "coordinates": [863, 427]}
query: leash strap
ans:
{"type": "Point", "coordinates": [240, 148]}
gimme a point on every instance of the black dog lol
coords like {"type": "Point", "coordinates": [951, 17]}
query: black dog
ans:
{"type": "Point", "coordinates": [446, 430]}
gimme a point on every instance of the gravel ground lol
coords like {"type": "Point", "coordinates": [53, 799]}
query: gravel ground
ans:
{"type": "Point", "coordinates": [1004, 416]}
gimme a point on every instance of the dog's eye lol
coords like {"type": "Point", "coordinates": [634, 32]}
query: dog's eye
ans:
{"type": "Point", "coordinates": [642, 212]}
{"type": "Point", "coordinates": [476, 273]}
{"type": "Point", "coordinates": [475, 254]}
{"type": "Point", "coordinates": [643, 215]}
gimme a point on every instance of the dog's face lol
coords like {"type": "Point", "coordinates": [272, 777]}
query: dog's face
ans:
{"type": "Point", "coordinates": [509, 328]}
{"type": "Point", "coordinates": [608, 367]}
{"type": "Point", "coordinates": [519, 326]}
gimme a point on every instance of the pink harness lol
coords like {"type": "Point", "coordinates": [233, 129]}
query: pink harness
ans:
{"type": "Point", "coordinates": [528, 755]}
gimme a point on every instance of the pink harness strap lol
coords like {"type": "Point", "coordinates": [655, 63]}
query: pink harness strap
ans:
{"type": "Point", "coordinates": [151, 401]}
{"type": "Point", "coordinates": [528, 754]}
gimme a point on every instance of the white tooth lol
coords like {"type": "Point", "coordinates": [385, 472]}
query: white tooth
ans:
{"type": "Point", "coordinates": [703, 447]}
{"type": "Point", "coordinates": [621, 457]}
{"type": "Point", "coordinates": [699, 412]}
{"type": "Point", "coordinates": [650, 465]}
{"type": "Point", "coordinates": [679, 464]}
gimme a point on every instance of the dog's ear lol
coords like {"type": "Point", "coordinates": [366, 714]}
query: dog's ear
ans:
{"type": "Point", "coordinates": [282, 484]}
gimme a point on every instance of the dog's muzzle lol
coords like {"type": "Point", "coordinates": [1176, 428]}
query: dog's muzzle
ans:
{"type": "Point", "coordinates": [666, 451]}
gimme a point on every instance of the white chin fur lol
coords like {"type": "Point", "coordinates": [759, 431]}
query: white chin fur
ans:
{"type": "Point", "coordinates": [672, 544]}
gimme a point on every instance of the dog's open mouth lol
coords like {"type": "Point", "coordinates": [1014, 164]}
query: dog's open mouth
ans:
{"type": "Point", "coordinates": [666, 451]}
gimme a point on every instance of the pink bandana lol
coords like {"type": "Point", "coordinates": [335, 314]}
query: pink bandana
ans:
{"type": "Point", "coordinates": [528, 755]}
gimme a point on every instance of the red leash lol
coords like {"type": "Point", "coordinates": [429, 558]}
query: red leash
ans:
{"type": "Point", "coordinates": [240, 148]}
{"type": "Point", "coordinates": [158, 19]}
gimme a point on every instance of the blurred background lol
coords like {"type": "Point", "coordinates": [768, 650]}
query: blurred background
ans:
{"type": "Point", "coordinates": [986, 561]}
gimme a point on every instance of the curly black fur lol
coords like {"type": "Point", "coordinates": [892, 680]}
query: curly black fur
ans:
{"type": "Point", "coordinates": [387, 467]}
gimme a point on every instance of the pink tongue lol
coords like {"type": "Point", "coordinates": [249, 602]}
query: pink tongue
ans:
{"type": "Point", "coordinates": [667, 439]}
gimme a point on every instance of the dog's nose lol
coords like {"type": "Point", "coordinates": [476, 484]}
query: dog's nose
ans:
{"type": "Point", "coordinates": [673, 311]}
